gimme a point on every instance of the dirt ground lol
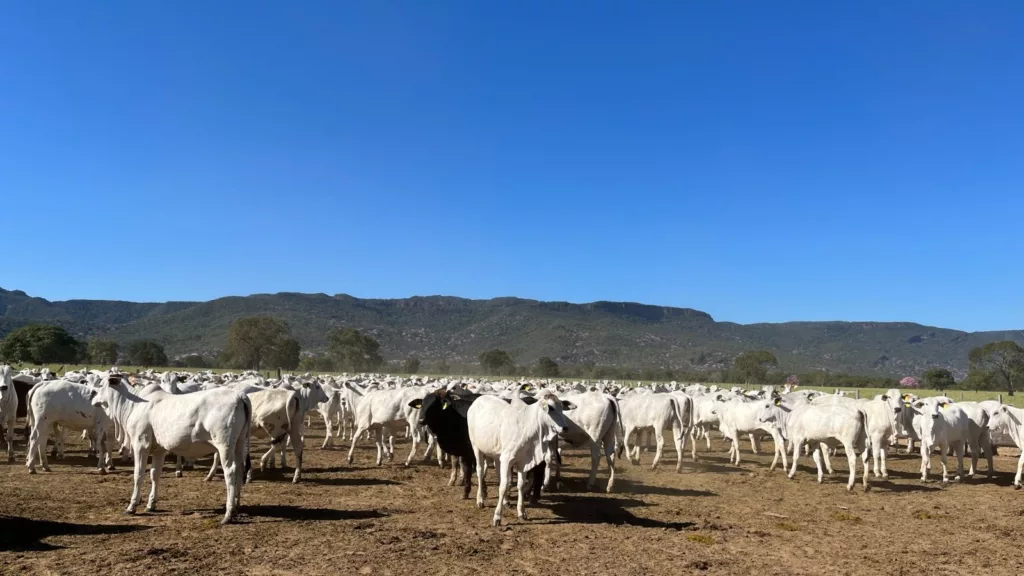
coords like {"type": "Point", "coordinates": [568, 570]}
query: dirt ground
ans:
{"type": "Point", "coordinates": [712, 518]}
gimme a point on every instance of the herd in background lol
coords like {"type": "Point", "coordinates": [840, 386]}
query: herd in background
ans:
{"type": "Point", "coordinates": [518, 426]}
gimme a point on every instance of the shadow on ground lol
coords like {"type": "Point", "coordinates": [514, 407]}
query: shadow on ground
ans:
{"type": "Point", "coordinates": [24, 534]}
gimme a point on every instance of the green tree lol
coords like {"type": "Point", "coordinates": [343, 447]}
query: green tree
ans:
{"type": "Point", "coordinates": [255, 340]}
{"type": "Point", "coordinates": [146, 353]}
{"type": "Point", "coordinates": [195, 361]}
{"type": "Point", "coordinates": [753, 365]}
{"type": "Point", "coordinates": [442, 367]}
{"type": "Point", "coordinates": [353, 351]}
{"type": "Point", "coordinates": [497, 362]}
{"type": "Point", "coordinates": [939, 379]}
{"type": "Point", "coordinates": [1004, 359]}
{"type": "Point", "coordinates": [286, 355]}
{"type": "Point", "coordinates": [411, 365]}
{"type": "Point", "coordinates": [40, 344]}
{"type": "Point", "coordinates": [316, 364]}
{"type": "Point", "coordinates": [103, 352]}
{"type": "Point", "coordinates": [546, 367]}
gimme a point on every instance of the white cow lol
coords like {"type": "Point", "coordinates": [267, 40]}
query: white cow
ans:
{"type": "Point", "coordinates": [738, 418]}
{"type": "Point", "coordinates": [593, 421]}
{"type": "Point", "coordinates": [8, 408]}
{"type": "Point", "coordinates": [516, 436]}
{"type": "Point", "coordinates": [882, 413]}
{"type": "Point", "coordinates": [1009, 420]}
{"type": "Point", "coordinates": [979, 438]}
{"type": "Point", "coordinates": [384, 412]}
{"type": "Point", "coordinates": [656, 412]}
{"type": "Point", "coordinates": [193, 425]}
{"type": "Point", "coordinates": [941, 424]}
{"type": "Point", "coordinates": [829, 425]}
{"type": "Point", "coordinates": [704, 419]}
{"type": "Point", "coordinates": [68, 405]}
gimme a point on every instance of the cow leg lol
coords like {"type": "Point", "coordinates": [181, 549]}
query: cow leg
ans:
{"type": "Point", "coordinates": [609, 456]}
{"type": "Point", "coordinates": [595, 463]}
{"type": "Point", "coordinates": [693, 443]}
{"type": "Point", "coordinates": [755, 445]}
{"type": "Point", "coordinates": [141, 456]}
{"type": "Point", "coordinates": [942, 459]}
{"type": "Point", "coordinates": [925, 456]}
{"type": "Point", "coordinates": [797, 443]}
{"type": "Point", "coordinates": [851, 459]}
{"type": "Point", "coordinates": [986, 444]}
{"type": "Point", "coordinates": [625, 442]}
{"type": "Point", "coordinates": [36, 445]}
{"type": "Point", "coordinates": [179, 463]}
{"type": "Point", "coordinates": [154, 478]}
{"type": "Point", "coordinates": [521, 503]}
{"type": "Point", "coordinates": [707, 437]}
{"type": "Point", "coordinates": [298, 447]}
{"type": "Point", "coordinates": [412, 449]}
{"type": "Point", "coordinates": [481, 471]}
{"type": "Point", "coordinates": [467, 475]}
{"type": "Point", "coordinates": [101, 450]}
{"type": "Point", "coordinates": [263, 459]}
{"type": "Point", "coordinates": [390, 445]}
{"type": "Point", "coordinates": [352, 450]}
{"type": "Point", "coordinates": [505, 470]}
{"type": "Point", "coordinates": [824, 449]}
{"type": "Point", "coordinates": [659, 436]}
{"type": "Point", "coordinates": [958, 449]}
{"type": "Point", "coordinates": [328, 436]}
{"type": "Point", "coordinates": [1020, 469]}
{"type": "Point", "coordinates": [817, 456]}
{"type": "Point", "coordinates": [232, 486]}
{"type": "Point", "coordinates": [455, 472]}
{"type": "Point", "coordinates": [213, 468]}
{"type": "Point", "coordinates": [10, 441]}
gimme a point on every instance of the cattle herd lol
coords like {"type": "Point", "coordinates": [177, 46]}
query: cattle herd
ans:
{"type": "Point", "coordinates": [519, 427]}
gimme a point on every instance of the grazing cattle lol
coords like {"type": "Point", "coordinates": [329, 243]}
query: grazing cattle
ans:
{"type": "Point", "coordinates": [704, 418]}
{"type": "Point", "coordinates": [941, 424]}
{"type": "Point", "coordinates": [829, 425]}
{"type": "Point", "coordinates": [516, 436]}
{"type": "Point", "coordinates": [656, 412]}
{"type": "Point", "coordinates": [69, 406]}
{"type": "Point", "coordinates": [383, 411]}
{"type": "Point", "coordinates": [192, 425]}
{"type": "Point", "coordinates": [8, 408]}
{"type": "Point", "coordinates": [1010, 421]}
{"type": "Point", "coordinates": [594, 420]}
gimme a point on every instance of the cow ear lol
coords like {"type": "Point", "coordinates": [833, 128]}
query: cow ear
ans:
{"type": "Point", "coordinates": [566, 405]}
{"type": "Point", "coordinates": [305, 384]}
{"type": "Point", "coordinates": [417, 404]}
{"type": "Point", "coordinates": [454, 397]}
{"type": "Point", "coordinates": [919, 405]}
{"type": "Point", "coordinates": [778, 401]}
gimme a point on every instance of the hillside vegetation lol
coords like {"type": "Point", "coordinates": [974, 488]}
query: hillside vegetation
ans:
{"type": "Point", "coordinates": [458, 329]}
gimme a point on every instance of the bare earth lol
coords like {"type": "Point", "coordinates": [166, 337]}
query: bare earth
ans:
{"type": "Point", "coordinates": [713, 518]}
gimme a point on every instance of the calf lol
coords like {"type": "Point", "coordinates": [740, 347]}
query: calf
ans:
{"type": "Point", "coordinates": [69, 406]}
{"type": "Point", "coordinates": [738, 418]}
{"type": "Point", "coordinates": [385, 411]}
{"type": "Point", "coordinates": [516, 436]}
{"type": "Point", "coordinates": [658, 412]}
{"type": "Point", "coordinates": [594, 420]}
{"type": "Point", "coordinates": [943, 425]}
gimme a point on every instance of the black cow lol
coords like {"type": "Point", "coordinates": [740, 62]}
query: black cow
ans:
{"type": "Point", "coordinates": [444, 413]}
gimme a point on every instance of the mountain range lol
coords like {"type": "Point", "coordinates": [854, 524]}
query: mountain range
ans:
{"type": "Point", "coordinates": [458, 329]}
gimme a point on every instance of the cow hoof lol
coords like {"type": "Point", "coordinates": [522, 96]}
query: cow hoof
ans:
{"type": "Point", "coordinates": [178, 474]}
{"type": "Point", "coordinates": [130, 512]}
{"type": "Point", "coordinates": [151, 508]}
{"type": "Point", "coordinates": [10, 459]}
{"type": "Point", "coordinates": [33, 471]}
{"type": "Point", "coordinates": [885, 477]}
{"type": "Point", "coordinates": [480, 504]}
{"type": "Point", "coordinates": [47, 469]}
{"type": "Point", "coordinates": [1017, 486]}
{"type": "Point", "coordinates": [102, 471]}
{"type": "Point", "coordinates": [496, 522]}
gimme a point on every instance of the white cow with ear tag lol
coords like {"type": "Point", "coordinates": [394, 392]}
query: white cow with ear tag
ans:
{"type": "Point", "coordinates": [941, 424]}
{"type": "Point", "coordinates": [1009, 420]}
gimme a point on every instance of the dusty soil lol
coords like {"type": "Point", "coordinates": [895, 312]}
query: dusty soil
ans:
{"type": "Point", "coordinates": [712, 518]}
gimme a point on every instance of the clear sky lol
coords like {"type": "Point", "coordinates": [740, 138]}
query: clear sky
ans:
{"type": "Point", "coordinates": [760, 161]}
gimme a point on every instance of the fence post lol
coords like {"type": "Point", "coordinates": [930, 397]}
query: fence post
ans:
{"type": "Point", "coordinates": [961, 395]}
{"type": "Point", "coordinates": [1000, 398]}
{"type": "Point", "coordinates": [857, 393]}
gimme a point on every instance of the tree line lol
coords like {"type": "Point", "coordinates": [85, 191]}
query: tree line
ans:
{"type": "Point", "coordinates": [263, 342]}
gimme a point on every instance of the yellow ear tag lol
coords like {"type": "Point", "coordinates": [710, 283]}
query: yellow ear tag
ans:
{"type": "Point", "coordinates": [444, 406]}
{"type": "Point", "coordinates": [778, 402]}
{"type": "Point", "coordinates": [943, 405]}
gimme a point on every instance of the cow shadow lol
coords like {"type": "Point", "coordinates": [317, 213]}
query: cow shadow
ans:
{"type": "Point", "coordinates": [594, 510]}
{"type": "Point", "coordinates": [705, 465]}
{"type": "Point", "coordinates": [286, 512]}
{"type": "Point", "coordinates": [349, 481]}
{"type": "Point", "coordinates": [901, 488]}
{"type": "Point", "coordinates": [650, 489]}
{"type": "Point", "coordinates": [27, 534]}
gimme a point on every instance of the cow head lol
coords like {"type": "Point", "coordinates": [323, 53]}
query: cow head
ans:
{"type": "Point", "coordinates": [101, 396]}
{"type": "Point", "coordinates": [552, 410]}
{"type": "Point", "coordinates": [6, 381]}
{"type": "Point", "coordinates": [1000, 418]}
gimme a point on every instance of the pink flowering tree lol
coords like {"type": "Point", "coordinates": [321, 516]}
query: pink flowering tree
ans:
{"type": "Point", "coordinates": [909, 382]}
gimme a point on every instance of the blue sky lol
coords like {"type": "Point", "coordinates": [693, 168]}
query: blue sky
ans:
{"type": "Point", "coordinates": [761, 161]}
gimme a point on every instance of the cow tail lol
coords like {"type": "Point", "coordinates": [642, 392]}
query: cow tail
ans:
{"type": "Point", "coordinates": [247, 431]}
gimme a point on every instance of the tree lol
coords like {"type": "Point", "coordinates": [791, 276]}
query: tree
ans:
{"type": "Point", "coordinates": [1005, 359]}
{"type": "Point", "coordinates": [286, 355]}
{"type": "Point", "coordinates": [939, 379]}
{"type": "Point", "coordinates": [146, 353]}
{"type": "Point", "coordinates": [195, 361]}
{"type": "Point", "coordinates": [316, 364]}
{"type": "Point", "coordinates": [40, 344]}
{"type": "Point", "coordinates": [442, 367]}
{"type": "Point", "coordinates": [411, 365]}
{"type": "Point", "coordinates": [254, 340]}
{"type": "Point", "coordinates": [753, 365]}
{"type": "Point", "coordinates": [103, 352]}
{"type": "Point", "coordinates": [546, 367]}
{"type": "Point", "coordinates": [353, 351]}
{"type": "Point", "coordinates": [497, 362]}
